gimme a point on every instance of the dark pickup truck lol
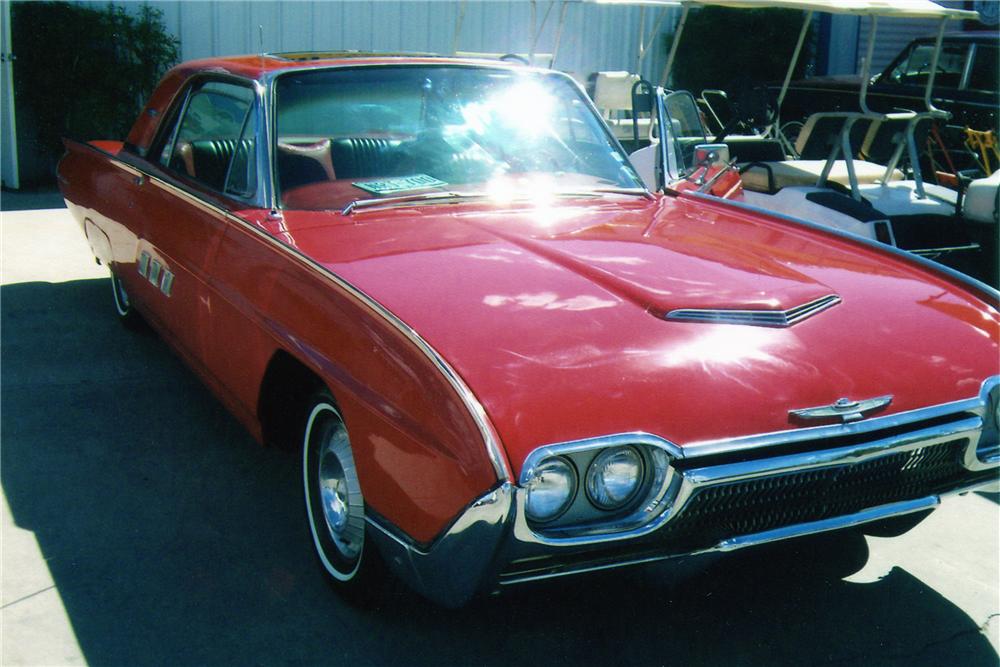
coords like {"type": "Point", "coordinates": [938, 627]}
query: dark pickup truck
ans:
{"type": "Point", "coordinates": [966, 83]}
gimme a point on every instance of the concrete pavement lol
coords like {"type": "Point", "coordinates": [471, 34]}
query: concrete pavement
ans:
{"type": "Point", "coordinates": [142, 526]}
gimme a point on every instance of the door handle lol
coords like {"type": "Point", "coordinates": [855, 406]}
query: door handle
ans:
{"type": "Point", "coordinates": [140, 179]}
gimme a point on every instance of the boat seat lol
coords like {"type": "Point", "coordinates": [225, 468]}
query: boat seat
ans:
{"type": "Point", "coordinates": [612, 96]}
{"type": "Point", "coordinates": [818, 141]}
{"type": "Point", "coordinates": [982, 199]}
{"type": "Point", "coordinates": [772, 176]}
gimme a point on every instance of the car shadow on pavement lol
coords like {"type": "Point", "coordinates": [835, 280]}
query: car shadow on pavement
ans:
{"type": "Point", "coordinates": [174, 539]}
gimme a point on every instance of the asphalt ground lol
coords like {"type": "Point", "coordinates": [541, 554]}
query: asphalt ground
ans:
{"type": "Point", "coordinates": [143, 526]}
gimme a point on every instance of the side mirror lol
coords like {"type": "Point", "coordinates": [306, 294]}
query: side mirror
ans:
{"type": "Point", "coordinates": [711, 155]}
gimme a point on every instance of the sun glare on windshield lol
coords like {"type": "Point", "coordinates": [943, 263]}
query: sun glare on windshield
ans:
{"type": "Point", "coordinates": [358, 133]}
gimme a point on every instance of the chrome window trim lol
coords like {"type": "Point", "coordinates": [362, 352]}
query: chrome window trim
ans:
{"type": "Point", "coordinates": [491, 439]}
{"type": "Point", "coordinates": [989, 295]}
{"type": "Point", "coordinates": [261, 194]}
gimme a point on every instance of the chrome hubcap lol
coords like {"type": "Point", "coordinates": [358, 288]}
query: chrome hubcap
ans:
{"type": "Point", "coordinates": [340, 493]}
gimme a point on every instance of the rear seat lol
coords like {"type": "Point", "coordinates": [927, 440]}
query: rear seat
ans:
{"type": "Point", "coordinates": [364, 157]}
{"type": "Point", "coordinates": [341, 158]}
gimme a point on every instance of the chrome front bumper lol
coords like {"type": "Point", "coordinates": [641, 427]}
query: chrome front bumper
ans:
{"type": "Point", "coordinates": [732, 495]}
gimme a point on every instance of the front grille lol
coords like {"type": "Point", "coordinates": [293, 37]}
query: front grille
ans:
{"type": "Point", "coordinates": [742, 508]}
{"type": "Point", "coordinates": [720, 512]}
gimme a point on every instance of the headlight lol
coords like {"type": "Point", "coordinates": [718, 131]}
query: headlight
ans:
{"type": "Point", "coordinates": [550, 489]}
{"type": "Point", "coordinates": [614, 477]}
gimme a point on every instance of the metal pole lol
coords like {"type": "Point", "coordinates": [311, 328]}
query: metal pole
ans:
{"type": "Point", "coordinates": [9, 167]}
{"type": "Point", "coordinates": [559, 31]}
{"type": "Point", "coordinates": [642, 37]}
{"type": "Point", "coordinates": [458, 27]}
{"type": "Point", "coordinates": [795, 58]}
{"type": "Point", "coordinates": [673, 47]}
{"type": "Point", "coordinates": [866, 67]}
{"type": "Point", "coordinates": [644, 49]}
{"type": "Point", "coordinates": [934, 66]}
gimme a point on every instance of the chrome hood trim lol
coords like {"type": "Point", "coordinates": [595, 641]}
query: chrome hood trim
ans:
{"type": "Point", "coordinates": [759, 318]}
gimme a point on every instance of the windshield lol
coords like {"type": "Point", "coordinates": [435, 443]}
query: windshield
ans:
{"type": "Point", "coordinates": [364, 133]}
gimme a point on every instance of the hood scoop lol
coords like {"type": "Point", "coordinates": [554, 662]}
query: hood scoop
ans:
{"type": "Point", "coordinates": [757, 318]}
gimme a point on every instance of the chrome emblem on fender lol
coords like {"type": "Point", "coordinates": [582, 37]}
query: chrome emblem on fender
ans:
{"type": "Point", "coordinates": [843, 408]}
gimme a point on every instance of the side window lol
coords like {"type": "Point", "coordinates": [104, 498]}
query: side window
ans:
{"type": "Point", "coordinates": [213, 143]}
{"type": "Point", "coordinates": [984, 69]}
{"type": "Point", "coordinates": [916, 69]}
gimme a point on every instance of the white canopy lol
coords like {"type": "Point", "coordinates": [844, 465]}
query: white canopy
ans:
{"type": "Point", "coordinates": [916, 9]}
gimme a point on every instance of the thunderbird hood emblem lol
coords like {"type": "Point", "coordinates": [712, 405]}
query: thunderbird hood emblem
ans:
{"type": "Point", "coordinates": [845, 409]}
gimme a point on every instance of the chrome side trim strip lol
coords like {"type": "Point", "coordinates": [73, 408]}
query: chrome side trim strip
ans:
{"type": "Point", "coordinates": [981, 289]}
{"type": "Point", "coordinates": [760, 318]}
{"type": "Point", "coordinates": [490, 438]}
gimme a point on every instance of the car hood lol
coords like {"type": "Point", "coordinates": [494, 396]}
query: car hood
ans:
{"type": "Point", "coordinates": [555, 315]}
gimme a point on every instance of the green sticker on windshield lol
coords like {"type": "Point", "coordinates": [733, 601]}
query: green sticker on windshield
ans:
{"type": "Point", "coordinates": [387, 186]}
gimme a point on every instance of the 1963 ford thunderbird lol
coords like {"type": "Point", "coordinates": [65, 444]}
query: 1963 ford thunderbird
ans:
{"type": "Point", "coordinates": [499, 355]}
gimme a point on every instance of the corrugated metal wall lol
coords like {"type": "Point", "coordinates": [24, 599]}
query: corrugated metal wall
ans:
{"type": "Point", "coordinates": [595, 37]}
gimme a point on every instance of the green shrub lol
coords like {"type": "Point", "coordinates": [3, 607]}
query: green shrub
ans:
{"type": "Point", "coordinates": [83, 73]}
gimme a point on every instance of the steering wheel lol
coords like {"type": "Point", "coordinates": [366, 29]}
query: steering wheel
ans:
{"type": "Point", "coordinates": [750, 105]}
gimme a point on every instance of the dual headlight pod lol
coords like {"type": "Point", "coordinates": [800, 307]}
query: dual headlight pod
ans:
{"type": "Point", "coordinates": [612, 481]}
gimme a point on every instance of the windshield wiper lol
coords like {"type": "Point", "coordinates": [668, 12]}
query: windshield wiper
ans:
{"type": "Point", "coordinates": [449, 196]}
{"type": "Point", "coordinates": [639, 192]}
{"type": "Point", "coordinates": [402, 199]}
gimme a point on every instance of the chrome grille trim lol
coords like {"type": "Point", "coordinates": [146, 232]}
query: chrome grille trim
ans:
{"type": "Point", "coordinates": [760, 318]}
{"type": "Point", "coordinates": [882, 438]}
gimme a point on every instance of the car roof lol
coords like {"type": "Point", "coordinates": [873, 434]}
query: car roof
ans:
{"type": "Point", "coordinates": [260, 66]}
{"type": "Point", "coordinates": [263, 66]}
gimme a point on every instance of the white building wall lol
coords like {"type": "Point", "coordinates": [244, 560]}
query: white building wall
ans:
{"type": "Point", "coordinates": [595, 37]}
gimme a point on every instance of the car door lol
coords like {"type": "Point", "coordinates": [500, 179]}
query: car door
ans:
{"type": "Point", "coordinates": [198, 172]}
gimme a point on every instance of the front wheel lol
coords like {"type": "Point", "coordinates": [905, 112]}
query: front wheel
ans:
{"type": "Point", "coordinates": [335, 504]}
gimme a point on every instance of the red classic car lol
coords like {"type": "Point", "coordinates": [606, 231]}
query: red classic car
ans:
{"type": "Point", "coordinates": [500, 356]}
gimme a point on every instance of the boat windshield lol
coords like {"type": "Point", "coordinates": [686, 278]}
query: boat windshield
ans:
{"type": "Point", "coordinates": [346, 136]}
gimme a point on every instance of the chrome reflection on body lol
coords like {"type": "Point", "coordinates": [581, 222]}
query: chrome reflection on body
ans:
{"type": "Point", "coordinates": [843, 408]}
{"type": "Point", "coordinates": [760, 318]}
